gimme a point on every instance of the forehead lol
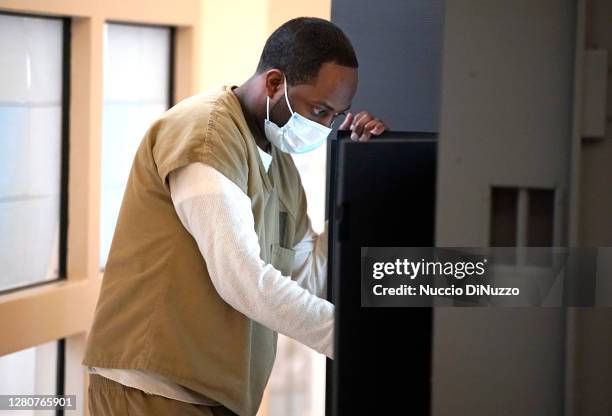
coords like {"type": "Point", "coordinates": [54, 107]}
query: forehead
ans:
{"type": "Point", "coordinates": [335, 85]}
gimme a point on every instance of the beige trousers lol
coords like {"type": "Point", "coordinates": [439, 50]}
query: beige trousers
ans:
{"type": "Point", "coordinates": [109, 398]}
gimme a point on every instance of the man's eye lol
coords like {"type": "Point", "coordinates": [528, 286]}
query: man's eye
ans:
{"type": "Point", "coordinates": [318, 111]}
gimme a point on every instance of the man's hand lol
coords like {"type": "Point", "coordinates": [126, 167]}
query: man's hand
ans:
{"type": "Point", "coordinates": [363, 125]}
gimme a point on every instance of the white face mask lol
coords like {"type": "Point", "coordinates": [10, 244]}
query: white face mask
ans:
{"type": "Point", "coordinates": [298, 135]}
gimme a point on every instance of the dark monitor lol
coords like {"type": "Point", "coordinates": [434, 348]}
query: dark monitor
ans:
{"type": "Point", "coordinates": [380, 193]}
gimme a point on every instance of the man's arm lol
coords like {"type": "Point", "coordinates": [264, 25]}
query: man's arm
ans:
{"type": "Point", "coordinates": [310, 263]}
{"type": "Point", "coordinates": [218, 215]}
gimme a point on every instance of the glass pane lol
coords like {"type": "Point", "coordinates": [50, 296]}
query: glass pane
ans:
{"type": "Point", "coordinates": [30, 149]}
{"type": "Point", "coordinates": [30, 371]}
{"type": "Point", "coordinates": [297, 382]}
{"type": "Point", "coordinates": [504, 211]}
{"type": "Point", "coordinates": [503, 217]}
{"type": "Point", "coordinates": [540, 225]}
{"type": "Point", "coordinates": [541, 217]}
{"type": "Point", "coordinates": [136, 92]}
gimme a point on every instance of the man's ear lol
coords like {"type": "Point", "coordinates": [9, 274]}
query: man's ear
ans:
{"type": "Point", "coordinates": [274, 80]}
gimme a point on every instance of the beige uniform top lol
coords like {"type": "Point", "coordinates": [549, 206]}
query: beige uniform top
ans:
{"type": "Point", "coordinates": [158, 309]}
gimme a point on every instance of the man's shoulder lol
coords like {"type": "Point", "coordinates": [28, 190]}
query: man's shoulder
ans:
{"type": "Point", "coordinates": [197, 109]}
{"type": "Point", "coordinates": [204, 127]}
{"type": "Point", "coordinates": [211, 116]}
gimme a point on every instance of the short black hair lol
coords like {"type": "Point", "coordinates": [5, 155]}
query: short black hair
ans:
{"type": "Point", "coordinates": [300, 46]}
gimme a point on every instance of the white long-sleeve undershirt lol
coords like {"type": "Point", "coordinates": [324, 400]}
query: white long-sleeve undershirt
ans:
{"type": "Point", "coordinates": [217, 213]}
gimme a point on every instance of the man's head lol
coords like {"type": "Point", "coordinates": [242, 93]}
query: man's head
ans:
{"type": "Point", "coordinates": [321, 69]}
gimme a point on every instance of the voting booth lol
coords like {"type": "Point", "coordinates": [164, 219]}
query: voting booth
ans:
{"type": "Point", "coordinates": [379, 193]}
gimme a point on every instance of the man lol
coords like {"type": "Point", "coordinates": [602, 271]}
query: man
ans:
{"type": "Point", "coordinates": [213, 253]}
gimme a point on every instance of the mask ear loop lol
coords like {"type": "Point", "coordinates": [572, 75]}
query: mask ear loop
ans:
{"type": "Point", "coordinates": [287, 98]}
{"type": "Point", "coordinates": [268, 102]}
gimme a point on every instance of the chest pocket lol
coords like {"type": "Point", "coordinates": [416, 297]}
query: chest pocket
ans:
{"type": "Point", "coordinates": [282, 259]}
{"type": "Point", "coordinates": [283, 232]}
{"type": "Point", "coordinates": [282, 252]}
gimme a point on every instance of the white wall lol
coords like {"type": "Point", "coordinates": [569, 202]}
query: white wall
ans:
{"type": "Point", "coordinates": [505, 120]}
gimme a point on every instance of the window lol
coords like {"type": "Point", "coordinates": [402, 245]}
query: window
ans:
{"type": "Point", "coordinates": [137, 89]}
{"type": "Point", "coordinates": [523, 217]}
{"type": "Point", "coordinates": [33, 98]}
{"type": "Point", "coordinates": [35, 370]}
{"type": "Point", "coordinates": [51, 81]}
